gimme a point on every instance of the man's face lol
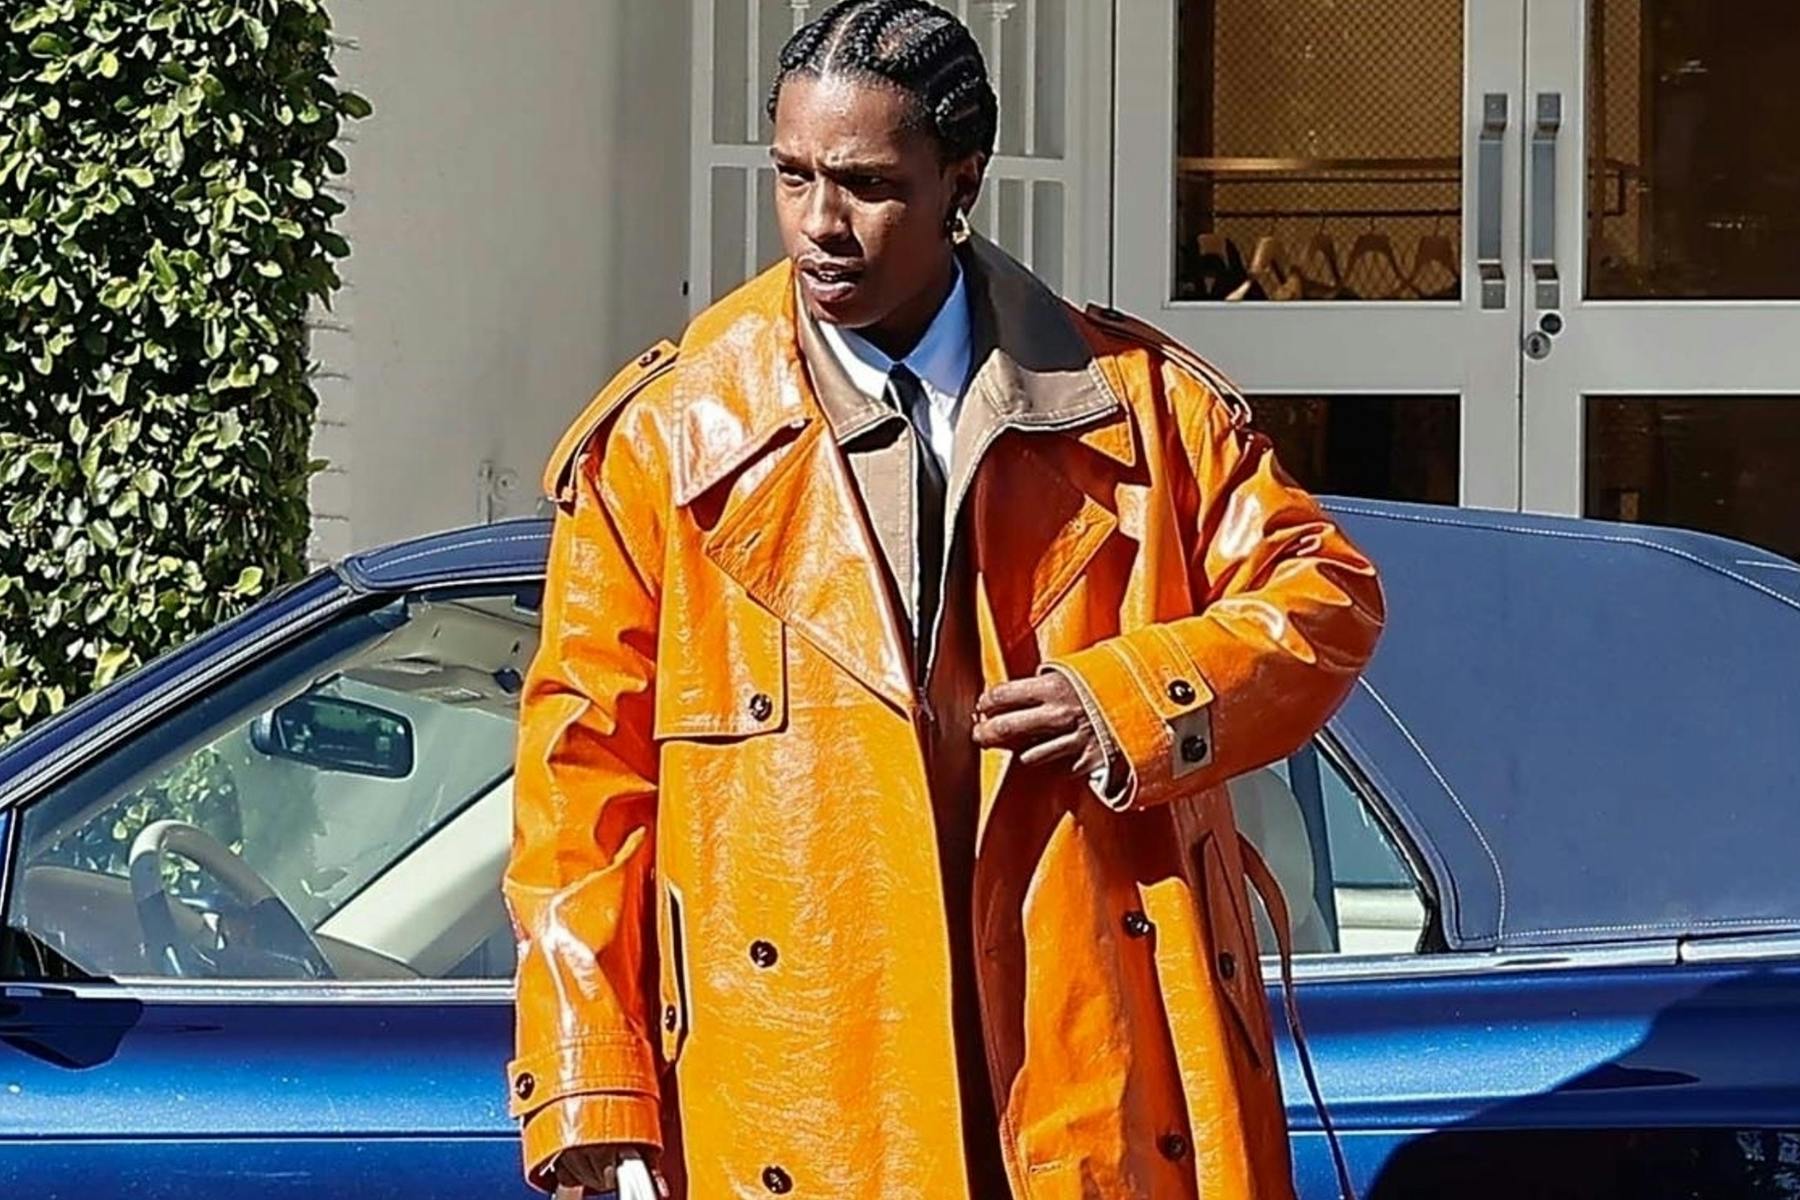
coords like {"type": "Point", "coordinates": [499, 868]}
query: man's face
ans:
{"type": "Point", "coordinates": [862, 200]}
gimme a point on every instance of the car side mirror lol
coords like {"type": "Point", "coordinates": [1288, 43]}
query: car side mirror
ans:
{"type": "Point", "coordinates": [335, 734]}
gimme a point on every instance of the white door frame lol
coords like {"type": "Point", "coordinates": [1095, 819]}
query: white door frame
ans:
{"type": "Point", "coordinates": [1620, 347]}
{"type": "Point", "coordinates": [1339, 347]}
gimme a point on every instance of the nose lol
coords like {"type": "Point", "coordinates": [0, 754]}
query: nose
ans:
{"type": "Point", "coordinates": [825, 220]}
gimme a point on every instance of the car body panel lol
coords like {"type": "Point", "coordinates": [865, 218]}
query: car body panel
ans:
{"type": "Point", "coordinates": [300, 1093]}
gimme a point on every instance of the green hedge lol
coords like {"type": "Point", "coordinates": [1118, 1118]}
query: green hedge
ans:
{"type": "Point", "coordinates": [164, 228]}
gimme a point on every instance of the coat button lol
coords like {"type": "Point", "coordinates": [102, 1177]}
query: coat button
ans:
{"type": "Point", "coordinates": [1137, 924]}
{"type": "Point", "coordinates": [1172, 1145]}
{"type": "Point", "coordinates": [648, 357]}
{"type": "Point", "coordinates": [763, 954]}
{"type": "Point", "coordinates": [1193, 749]}
{"type": "Point", "coordinates": [761, 706]}
{"type": "Point", "coordinates": [777, 1181]}
{"type": "Point", "coordinates": [1227, 965]}
{"type": "Point", "coordinates": [524, 1085]}
{"type": "Point", "coordinates": [670, 1017]}
{"type": "Point", "coordinates": [1181, 692]}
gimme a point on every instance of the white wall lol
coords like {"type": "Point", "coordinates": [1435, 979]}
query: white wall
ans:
{"type": "Point", "coordinates": [518, 221]}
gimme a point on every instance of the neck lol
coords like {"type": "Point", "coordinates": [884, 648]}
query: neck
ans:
{"type": "Point", "coordinates": [896, 334]}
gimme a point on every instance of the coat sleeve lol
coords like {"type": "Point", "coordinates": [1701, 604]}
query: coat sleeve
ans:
{"type": "Point", "coordinates": [1287, 613]}
{"type": "Point", "coordinates": [579, 880]}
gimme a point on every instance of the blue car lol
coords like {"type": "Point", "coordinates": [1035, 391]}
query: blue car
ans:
{"type": "Point", "coordinates": [1544, 873]}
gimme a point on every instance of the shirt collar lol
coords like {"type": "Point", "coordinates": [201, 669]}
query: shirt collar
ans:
{"type": "Point", "coordinates": [940, 360]}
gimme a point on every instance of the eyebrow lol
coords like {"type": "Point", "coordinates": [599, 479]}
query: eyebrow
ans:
{"type": "Point", "coordinates": [843, 167]}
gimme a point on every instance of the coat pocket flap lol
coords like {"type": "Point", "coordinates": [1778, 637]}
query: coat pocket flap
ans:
{"type": "Point", "coordinates": [726, 678]}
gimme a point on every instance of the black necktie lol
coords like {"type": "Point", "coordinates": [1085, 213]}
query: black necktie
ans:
{"type": "Point", "coordinates": [929, 484]}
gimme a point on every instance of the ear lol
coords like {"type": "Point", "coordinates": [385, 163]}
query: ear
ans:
{"type": "Point", "coordinates": [965, 176]}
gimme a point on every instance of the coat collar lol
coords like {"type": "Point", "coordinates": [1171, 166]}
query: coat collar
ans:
{"type": "Point", "coordinates": [748, 415]}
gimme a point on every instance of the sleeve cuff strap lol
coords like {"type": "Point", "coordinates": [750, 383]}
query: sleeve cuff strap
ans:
{"type": "Point", "coordinates": [605, 1064]}
{"type": "Point", "coordinates": [1156, 705]}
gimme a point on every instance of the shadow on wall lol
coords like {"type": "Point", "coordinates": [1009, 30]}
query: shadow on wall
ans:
{"type": "Point", "coordinates": [1705, 1107]}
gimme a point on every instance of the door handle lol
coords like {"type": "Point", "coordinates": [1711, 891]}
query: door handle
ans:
{"type": "Point", "coordinates": [1490, 188]}
{"type": "Point", "coordinates": [1543, 201]}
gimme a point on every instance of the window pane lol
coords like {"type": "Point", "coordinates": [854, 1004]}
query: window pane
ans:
{"type": "Point", "coordinates": [1347, 886]}
{"type": "Point", "coordinates": [362, 779]}
{"type": "Point", "coordinates": [1319, 150]}
{"type": "Point", "coordinates": [1372, 447]}
{"type": "Point", "coordinates": [1695, 112]}
{"type": "Point", "coordinates": [1726, 465]}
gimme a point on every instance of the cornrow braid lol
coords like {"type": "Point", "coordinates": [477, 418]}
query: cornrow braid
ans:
{"type": "Point", "coordinates": [911, 45]}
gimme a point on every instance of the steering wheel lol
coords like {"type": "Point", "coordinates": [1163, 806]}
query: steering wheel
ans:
{"type": "Point", "coordinates": [274, 944]}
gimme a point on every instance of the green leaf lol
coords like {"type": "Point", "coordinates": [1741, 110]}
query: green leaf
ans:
{"type": "Point", "coordinates": [109, 65]}
{"type": "Point", "coordinates": [138, 176]}
{"type": "Point", "coordinates": [231, 430]}
{"type": "Point", "coordinates": [354, 106]}
{"type": "Point", "coordinates": [49, 45]}
{"type": "Point", "coordinates": [248, 581]}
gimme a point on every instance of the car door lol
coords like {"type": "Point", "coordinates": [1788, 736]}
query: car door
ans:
{"type": "Point", "coordinates": [256, 946]}
{"type": "Point", "coordinates": [1632, 1070]}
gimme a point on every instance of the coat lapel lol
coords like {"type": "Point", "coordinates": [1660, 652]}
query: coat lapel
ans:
{"type": "Point", "coordinates": [1041, 446]}
{"type": "Point", "coordinates": [757, 467]}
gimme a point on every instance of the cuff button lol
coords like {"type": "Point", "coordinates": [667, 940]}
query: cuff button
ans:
{"type": "Point", "coordinates": [761, 706]}
{"type": "Point", "coordinates": [670, 1016]}
{"type": "Point", "coordinates": [1193, 749]}
{"type": "Point", "coordinates": [777, 1180]}
{"type": "Point", "coordinates": [1181, 692]}
{"type": "Point", "coordinates": [524, 1085]}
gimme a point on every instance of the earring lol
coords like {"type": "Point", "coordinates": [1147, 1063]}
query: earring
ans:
{"type": "Point", "coordinates": [958, 226]}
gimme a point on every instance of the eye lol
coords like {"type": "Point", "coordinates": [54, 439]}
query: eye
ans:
{"type": "Point", "coordinates": [791, 175]}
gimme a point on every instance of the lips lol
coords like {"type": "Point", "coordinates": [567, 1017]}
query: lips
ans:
{"type": "Point", "coordinates": [830, 281]}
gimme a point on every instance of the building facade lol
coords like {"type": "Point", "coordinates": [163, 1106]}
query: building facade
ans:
{"type": "Point", "coordinates": [1522, 254]}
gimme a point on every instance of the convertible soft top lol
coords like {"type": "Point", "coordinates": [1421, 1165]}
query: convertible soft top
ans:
{"type": "Point", "coordinates": [1589, 729]}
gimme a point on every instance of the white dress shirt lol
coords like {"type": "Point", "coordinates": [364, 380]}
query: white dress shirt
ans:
{"type": "Point", "coordinates": [940, 360]}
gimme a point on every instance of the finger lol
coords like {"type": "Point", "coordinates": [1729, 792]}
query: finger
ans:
{"type": "Point", "coordinates": [1068, 746]}
{"type": "Point", "coordinates": [1091, 760]}
{"type": "Point", "coordinates": [583, 1168]}
{"type": "Point", "coordinates": [1024, 727]}
{"type": "Point", "coordinates": [1015, 693]}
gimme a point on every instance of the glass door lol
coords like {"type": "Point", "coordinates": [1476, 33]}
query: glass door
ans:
{"type": "Point", "coordinates": [1662, 335]}
{"type": "Point", "coordinates": [1323, 197]}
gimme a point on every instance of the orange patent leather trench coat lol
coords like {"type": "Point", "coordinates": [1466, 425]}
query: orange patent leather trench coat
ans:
{"type": "Point", "coordinates": [724, 875]}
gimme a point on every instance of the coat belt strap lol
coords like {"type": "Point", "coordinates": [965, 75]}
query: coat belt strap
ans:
{"type": "Point", "coordinates": [1263, 880]}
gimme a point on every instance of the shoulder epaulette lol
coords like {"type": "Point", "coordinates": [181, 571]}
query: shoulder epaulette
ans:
{"type": "Point", "coordinates": [1144, 333]}
{"type": "Point", "coordinates": [652, 364]}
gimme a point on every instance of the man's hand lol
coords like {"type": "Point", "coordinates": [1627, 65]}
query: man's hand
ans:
{"type": "Point", "coordinates": [584, 1169]}
{"type": "Point", "coordinates": [1041, 719]}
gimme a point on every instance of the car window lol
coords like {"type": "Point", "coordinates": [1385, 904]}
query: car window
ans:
{"type": "Point", "coordinates": [340, 810]}
{"type": "Point", "coordinates": [1347, 885]}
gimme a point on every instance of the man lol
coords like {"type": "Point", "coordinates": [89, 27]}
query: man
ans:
{"type": "Point", "coordinates": [902, 630]}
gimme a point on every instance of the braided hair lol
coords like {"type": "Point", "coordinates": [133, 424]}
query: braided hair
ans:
{"type": "Point", "coordinates": [911, 45]}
